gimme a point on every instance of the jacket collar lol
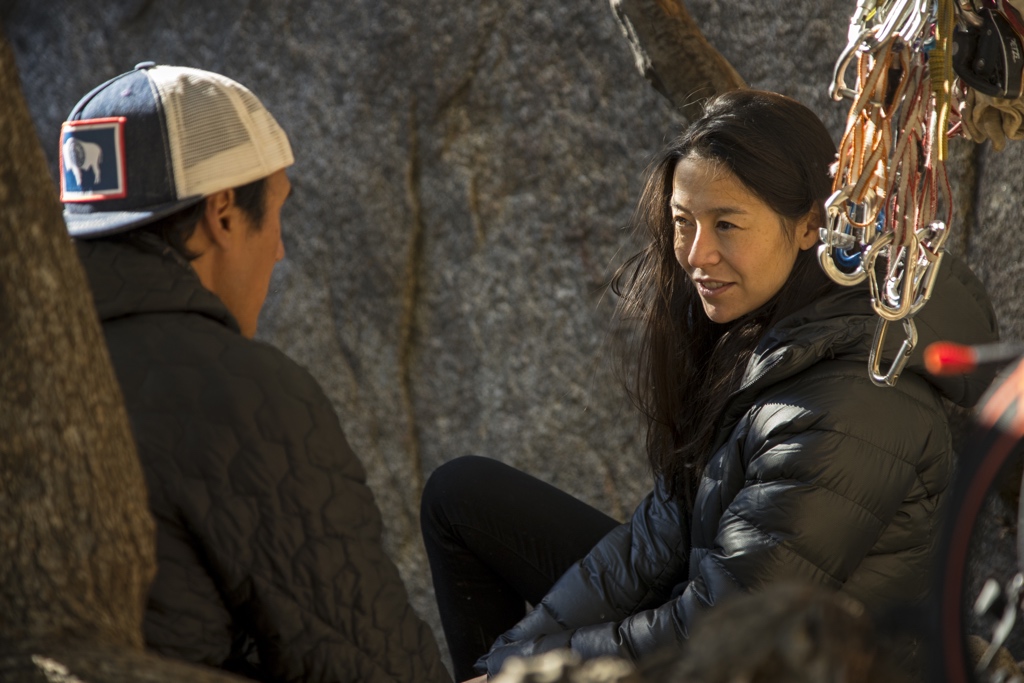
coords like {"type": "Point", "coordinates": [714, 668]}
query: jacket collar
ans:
{"type": "Point", "coordinates": [146, 276]}
{"type": "Point", "coordinates": [842, 326]}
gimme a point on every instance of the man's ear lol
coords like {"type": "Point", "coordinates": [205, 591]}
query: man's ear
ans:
{"type": "Point", "coordinates": [219, 219]}
{"type": "Point", "coordinates": [806, 235]}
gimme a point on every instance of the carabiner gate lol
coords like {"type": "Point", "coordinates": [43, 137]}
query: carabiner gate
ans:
{"type": "Point", "coordinates": [896, 305]}
{"type": "Point", "coordinates": [841, 235]}
{"type": "Point", "coordinates": [902, 356]}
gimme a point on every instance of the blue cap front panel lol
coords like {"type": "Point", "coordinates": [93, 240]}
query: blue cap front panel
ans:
{"type": "Point", "coordinates": [144, 158]}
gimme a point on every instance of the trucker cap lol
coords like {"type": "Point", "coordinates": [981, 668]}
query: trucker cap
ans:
{"type": "Point", "coordinates": [158, 139]}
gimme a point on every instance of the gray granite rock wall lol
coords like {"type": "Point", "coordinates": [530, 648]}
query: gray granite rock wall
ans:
{"type": "Point", "coordinates": [464, 172]}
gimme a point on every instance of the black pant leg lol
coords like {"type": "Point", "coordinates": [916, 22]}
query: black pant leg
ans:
{"type": "Point", "coordinates": [497, 538]}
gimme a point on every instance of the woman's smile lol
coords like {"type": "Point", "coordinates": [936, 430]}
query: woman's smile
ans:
{"type": "Point", "coordinates": [711, 288]}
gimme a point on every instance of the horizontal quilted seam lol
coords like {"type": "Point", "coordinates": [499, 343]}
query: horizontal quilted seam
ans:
{"type": "Point", "coordinates": [841, 371]}
{"type": "Point", "coordinates": [775, 545]}
{"type": "Point", "coordinates": [829, 428]}
{"type": "Point", "coordinates": [851, 501]}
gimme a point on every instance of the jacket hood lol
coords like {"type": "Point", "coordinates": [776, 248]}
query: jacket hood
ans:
{"type": "Point", "coordinates": [147, 277]}
{"type": "Point", "coordinates": [842, 326]}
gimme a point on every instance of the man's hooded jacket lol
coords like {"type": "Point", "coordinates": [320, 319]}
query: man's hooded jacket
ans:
{"type": "Point", "coordinates": [268, 538]}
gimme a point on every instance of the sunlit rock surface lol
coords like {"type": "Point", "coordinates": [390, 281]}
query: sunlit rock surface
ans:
{"type": "Point", "coordinates": [464, 175]}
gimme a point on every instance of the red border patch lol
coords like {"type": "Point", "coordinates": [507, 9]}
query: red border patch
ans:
{"type": "Point", "coordinates": [103, 137]}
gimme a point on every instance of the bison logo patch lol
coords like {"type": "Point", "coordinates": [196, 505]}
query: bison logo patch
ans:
{"type": "Point", "coordinates": [92, 160]}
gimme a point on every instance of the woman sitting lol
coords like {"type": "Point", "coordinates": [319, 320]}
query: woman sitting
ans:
{"type": "Point", "coordinates": [775, 457]}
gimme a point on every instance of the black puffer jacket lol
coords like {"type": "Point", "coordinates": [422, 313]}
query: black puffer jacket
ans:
{"type": "Point", "coordinates": [269, 540]}
{"type": "Point", "coordinates": [818, 475]}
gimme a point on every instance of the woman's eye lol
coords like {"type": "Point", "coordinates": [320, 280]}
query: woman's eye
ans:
{"type": "Point", "coordinates": [724, 225]}
{"type": "Point", "coordinates": [681, 222]}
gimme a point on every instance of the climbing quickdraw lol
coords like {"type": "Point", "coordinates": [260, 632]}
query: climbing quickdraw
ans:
{"type": "Point", "coordinates": [890, 181]}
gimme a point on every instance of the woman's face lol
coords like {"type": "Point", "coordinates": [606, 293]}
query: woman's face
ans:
{"type": "Point", "coordinates": [733, 246]}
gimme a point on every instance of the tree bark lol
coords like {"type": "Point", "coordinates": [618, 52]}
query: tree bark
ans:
{"type": "Point", "coordinates": [672, 53]}
{"type": "Point", "coordinates": [78, 550]}
{"type": "Point", "coordinates": [77, 535]}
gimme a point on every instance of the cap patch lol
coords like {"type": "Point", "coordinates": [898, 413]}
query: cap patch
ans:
{"type": "Point", "coordinates": [92, 164]}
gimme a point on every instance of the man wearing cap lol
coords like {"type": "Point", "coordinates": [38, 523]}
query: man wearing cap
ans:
{"type": "Point", "coordinates": [268, 539]}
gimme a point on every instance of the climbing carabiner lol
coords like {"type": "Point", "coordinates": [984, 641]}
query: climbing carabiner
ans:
{"type": "Point", "coordinates": [904, 18]}
{"type": "Point", "coordinates": [888, 379]}
{"type": "Point", "coordinates": [838, 89]}
{"type": "Point", "coordinates": [893, 301]}
{"type": "Point", "coordinates": [931, 239]}
{"type": "Point", "coordinates": [842, 241]}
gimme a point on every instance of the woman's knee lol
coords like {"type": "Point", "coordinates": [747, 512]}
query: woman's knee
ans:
{"type": "Point", "coordinates": [452, 483]}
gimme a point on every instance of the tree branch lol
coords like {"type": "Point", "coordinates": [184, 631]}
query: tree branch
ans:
{"type": "Point", "coordinates": [672, 53]}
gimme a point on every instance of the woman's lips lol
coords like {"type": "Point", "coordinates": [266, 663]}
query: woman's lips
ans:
{"type": "Point", "coordinates": [709, 289]}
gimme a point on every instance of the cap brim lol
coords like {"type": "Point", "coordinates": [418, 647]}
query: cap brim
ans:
{"type": "Point", "coordinates": [103, 223]}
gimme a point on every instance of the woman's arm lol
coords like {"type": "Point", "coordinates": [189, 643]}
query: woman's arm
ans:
{"type": "Point", "coordinates": [811, 502]}
{"type": "Point", "coordinates": [634, 567]}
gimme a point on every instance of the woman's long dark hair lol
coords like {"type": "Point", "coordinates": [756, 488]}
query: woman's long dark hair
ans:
{"type": "Point", "coordinates": [686, 366]}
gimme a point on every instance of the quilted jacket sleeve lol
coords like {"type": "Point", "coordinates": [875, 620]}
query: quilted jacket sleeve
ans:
{"type": "Point", "coordinates": [632, 568]}
{"type": "Point", "coordinates": [293, 537]}
{"type": "Point", "coordinates": [813, 494]}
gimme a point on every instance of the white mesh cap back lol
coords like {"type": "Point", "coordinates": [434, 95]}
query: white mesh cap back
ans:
{"type": "Point", "coordinates": [220, 135]}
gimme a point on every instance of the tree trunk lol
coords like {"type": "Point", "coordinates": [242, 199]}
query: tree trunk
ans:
{"type": "Point", "coordinates": [77, 539]}
{"type": "Point", "coordinates": [79, 552]}
{"type": "Point", "coordinates": [672, 53]}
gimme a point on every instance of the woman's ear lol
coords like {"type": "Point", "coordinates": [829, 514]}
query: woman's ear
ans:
{"type": "Point", "coordinates": [806, 235]}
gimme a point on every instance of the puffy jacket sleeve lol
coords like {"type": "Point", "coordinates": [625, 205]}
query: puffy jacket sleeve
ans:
{"type": "Point", "coordinates": [294, 540]}
{"type": "Point", "coordinates": [811, 499]}
{"type": "Point", "coordinates": [633, 568]}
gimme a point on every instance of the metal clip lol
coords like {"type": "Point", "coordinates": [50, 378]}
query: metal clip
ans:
{"type": "Point", "coordinates": [902, 356]}
{"type": "Point", "coordinates": [855, 36]}
{"type": "Point", "coordinates": [906, 292]}
{"type": "Point", "coordinates": [872, 24]}
{"type": "Point", "coordinates": [838, 89]}
{"type": "Point", "coordinates": [905, 18]}
{"type": "Point", "coordinates": [913, 26]}
{"type": "Point", "coordinates": [865, 11]}
{"type": "Point", "coordinates": [832, 270]}
{"type": "Point", "coordinates": [894, 301]}
{"type": "Point", "coordinates": [841, 234]}
{"type": "Point", "coordinates": [932, 239]}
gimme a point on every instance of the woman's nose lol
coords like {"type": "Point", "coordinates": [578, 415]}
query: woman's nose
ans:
{"type": "Point", "coordinates": [703, 249]}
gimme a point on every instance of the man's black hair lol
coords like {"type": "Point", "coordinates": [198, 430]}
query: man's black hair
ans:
{"type": "Point", "coordinates": [177, 229]}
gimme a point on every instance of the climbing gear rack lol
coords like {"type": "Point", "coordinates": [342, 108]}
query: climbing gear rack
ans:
{"type": "Point", "coordinates": [891, 207]}
{"type": "Point", "coordinates": [920, 66]}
